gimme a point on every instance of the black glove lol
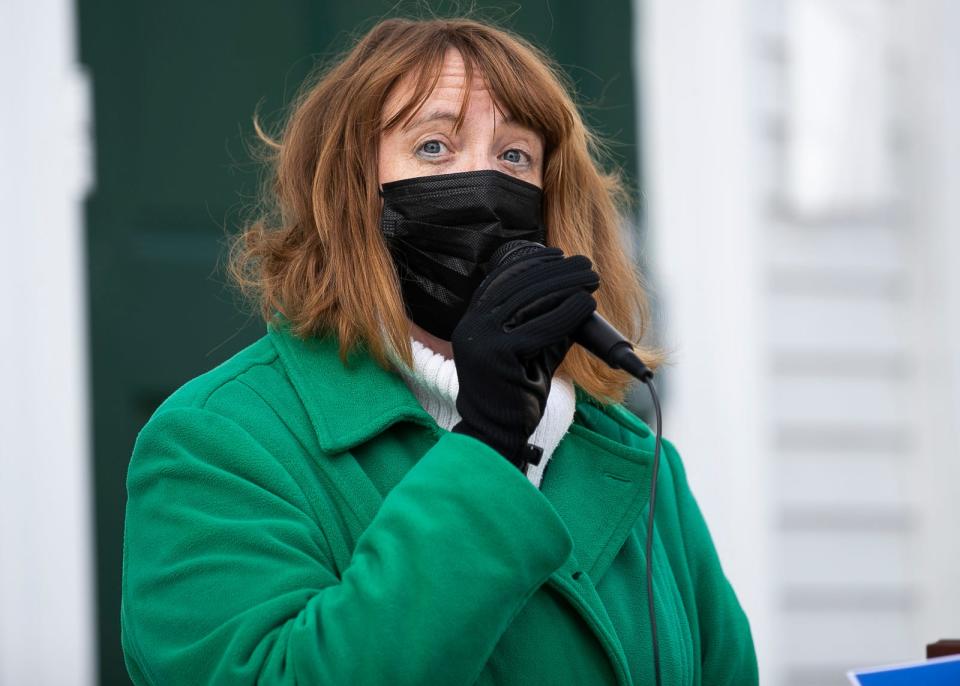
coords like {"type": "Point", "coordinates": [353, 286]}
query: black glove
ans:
{"type": "Point", "coordinates": [512, 337]}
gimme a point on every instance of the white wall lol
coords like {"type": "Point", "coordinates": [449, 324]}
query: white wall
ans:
{"type": "Point", "coordinates": [930, 32]}
{"type": "Point", "coordinates": [47, 627]}
{"type": "Point", "coordinates": [801, 159]}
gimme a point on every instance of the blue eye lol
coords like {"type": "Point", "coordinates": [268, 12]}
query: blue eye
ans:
{"type": "Point", "coordinates": [435, 146]}
{"type": "Point", "coordinates": [523, 157]}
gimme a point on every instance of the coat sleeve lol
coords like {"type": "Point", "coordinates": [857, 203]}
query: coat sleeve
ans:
{"type": "Point", "coordinates": [225, 580]}
{"type": "Point", "coordinates": [727, 654]}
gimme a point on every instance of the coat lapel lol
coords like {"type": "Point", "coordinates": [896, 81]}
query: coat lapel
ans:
{"type": "Point", "coordinates": [347, 403]}
{"type": "Point", "coordinates": [600, 488]}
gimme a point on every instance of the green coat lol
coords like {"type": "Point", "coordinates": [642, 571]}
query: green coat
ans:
{"type": "Point", "coordinates": [292, 520]}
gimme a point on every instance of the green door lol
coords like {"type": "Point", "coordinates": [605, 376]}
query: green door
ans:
{"type": "Point", "coordinates": [175, 86]}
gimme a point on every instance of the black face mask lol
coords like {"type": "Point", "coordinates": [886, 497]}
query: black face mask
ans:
{"type": "Point", "coordinates": [442, 230]}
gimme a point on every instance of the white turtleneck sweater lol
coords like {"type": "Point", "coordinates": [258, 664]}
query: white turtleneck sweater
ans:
{"type": "Point", "coordinates": [433, 380]}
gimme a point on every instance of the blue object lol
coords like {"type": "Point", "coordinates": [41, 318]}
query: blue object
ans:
{"type": "Point", "coordinates": [940, 671]}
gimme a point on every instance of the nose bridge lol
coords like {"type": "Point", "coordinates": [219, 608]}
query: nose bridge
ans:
{"type": "Point", "coordinates": [478, 151]}
{"type": "Point", "coordinates": [476, 160]}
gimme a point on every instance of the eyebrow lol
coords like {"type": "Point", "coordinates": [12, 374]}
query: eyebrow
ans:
{"type": "Point", "coordinates": [444, 115]}
{"type": "Point", "coordinates": [436, 115]}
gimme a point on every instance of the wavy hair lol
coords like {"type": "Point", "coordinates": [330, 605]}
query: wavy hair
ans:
{"type": "Point", "coordinates": [314, 253]}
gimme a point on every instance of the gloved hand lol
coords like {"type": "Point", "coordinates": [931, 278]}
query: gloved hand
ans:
{"type": "Point", "coordinates": [512, 337]}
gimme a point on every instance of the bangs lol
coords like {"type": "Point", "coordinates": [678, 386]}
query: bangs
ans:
{"type": "Point", "coordinates": [519, 92]}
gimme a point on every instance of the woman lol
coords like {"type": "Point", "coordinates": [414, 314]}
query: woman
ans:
{"type": "Point", "coordinates": [413, 477]}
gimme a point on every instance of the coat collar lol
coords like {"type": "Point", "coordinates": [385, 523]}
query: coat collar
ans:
{"type": "Point", "coordinates": [348, 403]}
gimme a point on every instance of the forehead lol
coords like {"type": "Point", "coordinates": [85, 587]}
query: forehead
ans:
{"type": "Point", "coordinates": [453, 73]}
{"type": "Point", "coordinates": [450, 90]}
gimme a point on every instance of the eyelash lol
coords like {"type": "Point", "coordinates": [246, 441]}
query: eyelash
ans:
{"type": "Point", "coordinates": [528, 156]}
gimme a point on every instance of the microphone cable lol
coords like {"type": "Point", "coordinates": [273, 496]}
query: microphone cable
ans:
{"type": "Point", "coordinates": [649, 543]}
{"type": "Point", "coordinates": [623, 357]}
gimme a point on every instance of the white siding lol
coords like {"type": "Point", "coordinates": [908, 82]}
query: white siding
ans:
{"type": "Point", "coordinates": [837, 302]}
{"type": "Point", "coordinates": [834, 141]}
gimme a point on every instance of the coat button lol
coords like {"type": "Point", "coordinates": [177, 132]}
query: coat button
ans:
{"type": "Point", "coordinates": [576, 575]}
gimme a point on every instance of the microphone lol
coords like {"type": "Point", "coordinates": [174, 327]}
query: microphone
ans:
{"type": "Point", "coordinates": [596, 334]}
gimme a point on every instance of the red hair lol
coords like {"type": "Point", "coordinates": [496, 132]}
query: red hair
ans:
{"type": "Point", "coordinates": [316, 254]}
